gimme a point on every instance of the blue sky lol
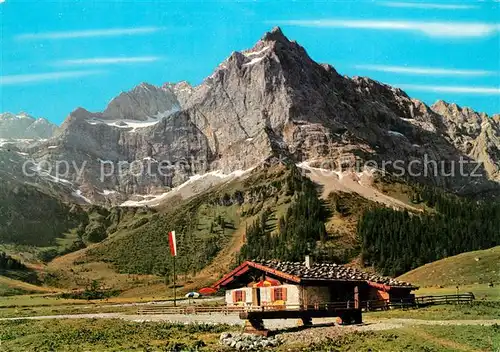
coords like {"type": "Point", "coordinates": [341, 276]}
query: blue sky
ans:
{"type": "Point", "coordinates": [58, 55]}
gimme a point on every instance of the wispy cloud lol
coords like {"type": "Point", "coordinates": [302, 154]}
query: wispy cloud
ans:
{"type": "Point", "coordinates": [431, 29]}
{"type": "Point", "coordinates": [2, 1]}
{"type": "Point", "coordinates": [423, 5]}
{"type": "Point", "coordinates": [451, 89]}
{"type": "Point", "coordinates": [425, 70]}
{"type": "Point", "coordinates": [48, 76]}
{"type": "Point", "coordinates": [111, 32]}
{"type": "Point", "coordinates": [109, 60]}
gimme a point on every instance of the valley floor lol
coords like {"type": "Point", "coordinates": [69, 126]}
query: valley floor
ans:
{"type": "Point", "coordinates": [46, 322]}
{"type": "Point", "coordinates": [119, 328]}
{"type": "Point", "coordinates": [112, 334]}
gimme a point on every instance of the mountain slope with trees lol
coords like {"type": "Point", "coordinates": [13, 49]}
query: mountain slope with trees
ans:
{"type": "Point", "coordinates": [395, 242]}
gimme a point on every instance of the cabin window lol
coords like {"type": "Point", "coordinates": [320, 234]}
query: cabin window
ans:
{"type": "Point", "coordinates": [279, 294]}
{"type": "Point", "coordinates": [239, 296]}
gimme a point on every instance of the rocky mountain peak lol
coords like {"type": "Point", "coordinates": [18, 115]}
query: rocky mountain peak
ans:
{"type": "Point", "coordinates": [443, 107]}
{"type": "Point", "coordinates": [456, 114]}
{"type": "Point", "coordinates": [182, 91]}
{"type": "Point", "coordinates": [282, 46]}
{"type": "Point", "coordinates": [270, 100]}
{"type": "Point", "coordinates": [25, 126]}
{"type": "Point", "coordinates": [24, 115]}
{"type": "Point", "coordinates": [142, 103]}
{"type": "Point", "coordinates": [11, 116]}
{"type": "Point", "coordinates": [144, 86]}
{"type": "Point", "coordinates": [7, 116]}
{"type": "Point", "coordinates": [275, 35]}
{"type": "Point", "coordinates": [80, 113]}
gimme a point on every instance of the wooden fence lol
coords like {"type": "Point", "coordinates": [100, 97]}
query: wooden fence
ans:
{"type": "Point", "coordinates": [421, 301]}
{"type": "Point", "coordinates": [223, 309]}
{"type": "Point", "coordinates": [464, 298]}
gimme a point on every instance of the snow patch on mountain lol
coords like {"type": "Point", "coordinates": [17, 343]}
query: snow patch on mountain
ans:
{"type": "Point", "coordinates": [396, 133]}
{"type": "Point", "coordinates": [193, 185]}
{"type": "Point", "coordinates": [349, 181]}
{"type": "Point", "coordinates": [134, 124]}
{"type": "Point", "coordinates": [48, 177]}
{"type": "Point", "coordinates": [78, 194]}
{"type": "Point", "coordinates": [254, 53]}
{"type": "Point", "coordinates": [254, 61]}
{"type": "Point", "coordinates": [19, 142]}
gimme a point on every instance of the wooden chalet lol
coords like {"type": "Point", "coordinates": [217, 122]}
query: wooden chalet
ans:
{"type": "Point", "coordinates": [305, 284]}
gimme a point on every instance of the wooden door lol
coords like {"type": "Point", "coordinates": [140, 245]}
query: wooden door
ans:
{"type": "Point", "coordinates": [256, 296]}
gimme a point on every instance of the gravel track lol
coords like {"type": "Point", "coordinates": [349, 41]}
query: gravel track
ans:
{"type": "Point", "coordinates": [272, 324]}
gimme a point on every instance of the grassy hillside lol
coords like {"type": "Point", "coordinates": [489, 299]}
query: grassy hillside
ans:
{"type": "Point", "coordinates": [276, 207]}
{"type": "Point", "coordinates": [213, 228]}
{"type": "Point", "coordinates": [345, 210]}
{"type": "Point", "coordinates": [127, 249]}
{"type": "Point", "coordinates": [134, 256]}
{"type": "Point", "coordinates": [37, 227]}
{"type": "Point", "coordinates": [205, 224]}
{"type": "Point", "coordinates": [476, 267]}
{"type": "Point", "coordinates": [31, 217]}
{"type": "Point", "coordinates": [12, 287]}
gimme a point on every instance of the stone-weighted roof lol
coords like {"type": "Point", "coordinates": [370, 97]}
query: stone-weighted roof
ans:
{"type": "Point", "coordinates": [329, 271]}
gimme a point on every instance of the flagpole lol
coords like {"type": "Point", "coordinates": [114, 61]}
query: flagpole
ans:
{"type": "Point", "coordinates": [175, 298]}
{"type": "Point", "coordinates": [173, 251]}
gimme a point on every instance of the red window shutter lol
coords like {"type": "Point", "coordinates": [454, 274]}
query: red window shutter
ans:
{"type": "Point", "coordinates": [283, 293]}
{"type": "Point", "coordinates": [243, 296]}
{"type": "Point", "coordinates": [234, 296]}
{"type": "Point", "coordinates": [272, 295]}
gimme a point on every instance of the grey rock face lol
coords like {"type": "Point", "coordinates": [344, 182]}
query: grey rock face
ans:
{"type": "Point", "coordinates": [270, 100]}
{"type": "Point", "coordinates": [475, 134]}
{"type": "Point", "coordinates": [24, 126]}
{"type": "Point", "coordinates": [142, 103]}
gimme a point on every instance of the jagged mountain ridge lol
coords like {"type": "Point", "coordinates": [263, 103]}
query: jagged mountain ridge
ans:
{"type": "Point", "coordinates": [24, 126]}
{"type": "Point", "coordinates": [271, 100]}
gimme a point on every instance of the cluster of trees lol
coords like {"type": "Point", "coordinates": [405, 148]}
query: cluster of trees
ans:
{"type": "Point", "coordinates": [9, 263]}
{"type": "Point", "coordinates": [296, 233]}
{"type": "Point", "coordinates": [396, 241]}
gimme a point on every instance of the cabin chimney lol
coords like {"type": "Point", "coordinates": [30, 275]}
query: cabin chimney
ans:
{"type": "Point", "coordinates": [309, 262]}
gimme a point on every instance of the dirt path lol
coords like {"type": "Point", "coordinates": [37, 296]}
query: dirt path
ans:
{"type": "Point", "coordinates": [234, 319]}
